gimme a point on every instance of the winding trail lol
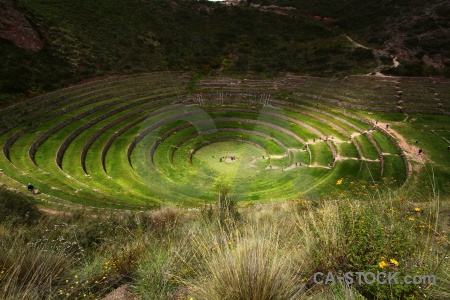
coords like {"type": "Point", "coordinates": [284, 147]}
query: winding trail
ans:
{"type": "Point", "coordinates": [395, 62]}
{"type": "Point", "coordinates": [412, 152]}
{"type": "Point", "coordinates": [355, 43]}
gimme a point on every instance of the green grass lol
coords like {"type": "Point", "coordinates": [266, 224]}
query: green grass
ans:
{"type": "Point", "coordinates": [347, 149]}
{"type": "Point", "coordinates": [281, 131]}
{"type": "Point", "coordinates": [367, 148]}
{"type": "Point", "coordinates": [385, 144]}
{"type": "Point", "coordinates": [394, 169]}
{"type": "Point", "coordinates": [353, 173]}
{"type": "Point", "coordinates": [321, 154]}
{"type": "Point", "coordinates": [443, 134]}
{"type": "Point", "coordinates": [245, 165]}
{"type": "Point", "coordinates": [358, 224]}
{"type": "Point", "coordinates": [419, 127]}
{"type": "Point", "coordinates": [104, 230]}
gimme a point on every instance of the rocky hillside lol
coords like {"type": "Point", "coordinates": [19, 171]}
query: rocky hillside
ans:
{"type": "Point", "coordinates": [415, 32]}
{"type": "Point", "coordinates": [421, 37]}
{"type": "Point", "coordinates": [14, 27]}
{"type": "Point", "coordinates": [48, 44]}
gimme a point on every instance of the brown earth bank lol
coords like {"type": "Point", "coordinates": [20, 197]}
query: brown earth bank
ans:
{"type": "Point", "coordinates": [14, 27]}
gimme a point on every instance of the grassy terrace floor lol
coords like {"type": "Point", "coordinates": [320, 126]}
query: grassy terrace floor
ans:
{"type": "Point", "coordinates": [149, 140]}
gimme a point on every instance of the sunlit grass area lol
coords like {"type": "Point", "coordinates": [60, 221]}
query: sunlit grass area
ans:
{"type": "Point", "coordinates": [132, 142]}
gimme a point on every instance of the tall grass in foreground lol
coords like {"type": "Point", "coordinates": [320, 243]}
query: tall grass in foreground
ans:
{"type": "Point", "coordinates": [29, 272]}
{"type": "Point", "coordinates": [265, 251]}
{"type": "Point", "coordinates": [383, 233]}
{"type": "Point", "coordinates": [245, 264]}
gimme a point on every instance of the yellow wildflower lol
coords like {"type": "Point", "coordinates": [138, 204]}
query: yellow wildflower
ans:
{"type": "Point", "coordinates": [417, 209]}
{"type": "Point", "coordinates": [394, 262]}
{"type": "Point", "coordinates": [383, 264]}
{"type": "Point", "coordinates": [411, 219]}
{"type": "Point", "coordinates": [339, 182]}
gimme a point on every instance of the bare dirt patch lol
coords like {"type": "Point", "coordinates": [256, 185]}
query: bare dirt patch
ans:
{"type": "Point", "coordinates": [229, 160]}
{"type": "Point", "coordinates": [121, 293]}
{"type": "Point", "coordinates": [15, 28]}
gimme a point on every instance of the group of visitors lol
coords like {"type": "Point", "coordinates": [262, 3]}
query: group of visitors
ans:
{"type": "Point", "coordinates": [232, 158]}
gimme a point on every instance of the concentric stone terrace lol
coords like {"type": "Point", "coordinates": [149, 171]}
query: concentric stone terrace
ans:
{"type": "Point", "coordinates": [143, 140]}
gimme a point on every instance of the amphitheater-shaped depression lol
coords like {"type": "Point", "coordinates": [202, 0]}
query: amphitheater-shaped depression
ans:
{"type": "Point", "coordinates": [134, 141]}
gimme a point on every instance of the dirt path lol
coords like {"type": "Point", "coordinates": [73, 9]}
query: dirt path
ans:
{"type": "Point", "coordinates": [54, 212]}
{"type": "Point", "coordinates": [278, 156]}
{"type": "Point", "coordinates": [395, 62]}
{"type": "Point", "coordinates": [412, 152]}
{"type": "Point", "coordinates": [355, 43]}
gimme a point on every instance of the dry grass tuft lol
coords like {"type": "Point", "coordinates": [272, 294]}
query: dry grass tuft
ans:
{"type": "Point", "coordinates": [248, 264]}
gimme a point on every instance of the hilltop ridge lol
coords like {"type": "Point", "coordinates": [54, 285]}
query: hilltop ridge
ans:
{"type": "Point", "coordinates": [77, 40]}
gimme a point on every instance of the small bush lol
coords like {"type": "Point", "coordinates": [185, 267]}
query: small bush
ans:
{"type": "Point", "coordinates": [17, 208]}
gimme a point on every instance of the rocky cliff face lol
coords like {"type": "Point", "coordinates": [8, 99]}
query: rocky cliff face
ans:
{"type": "Point", "coordinates": [15, 28]}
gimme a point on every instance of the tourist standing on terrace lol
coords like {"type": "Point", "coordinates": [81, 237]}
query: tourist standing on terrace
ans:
{"type": "Point", "coordinates": [31, 188]}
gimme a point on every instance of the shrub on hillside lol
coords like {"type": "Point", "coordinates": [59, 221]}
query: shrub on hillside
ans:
{"type": "Point", "coordinates": [380, 235]}
{"type": "Point", "coordinates": [17, 208]}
